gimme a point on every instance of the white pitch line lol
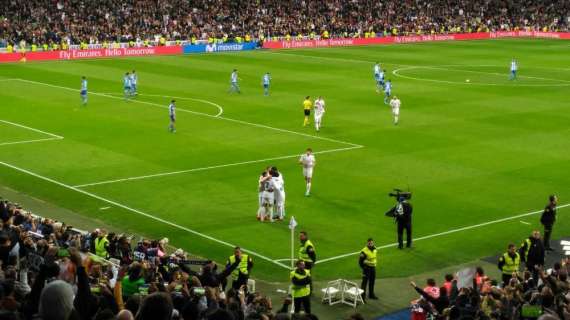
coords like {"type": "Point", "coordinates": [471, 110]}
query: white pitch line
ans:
{"type": "Point", "coordinates": [219, 107]}
{"type": "Point", "coordinates": [92, 195]}
{"type": "Point", "coordinates": [203, 114]}
{"type": "Point", "coordinates": [2, 80]}
{"type": "Point", "coordinates": [524, 222]}
{"type": "Point", "coordinates": [117, 98]}
{"type": "Point", "coordinates": [27, 141]}
{"type": "Point", "coordinates": [398, 74]}
{"type": "Point", "coordinates": [443, 233]}
{"type": "Point", "coordinates": [446, 67]}
{"type": "Point", "coordinates": [207, 168]}
{"type": "Point", "coordinates": [32, 129]}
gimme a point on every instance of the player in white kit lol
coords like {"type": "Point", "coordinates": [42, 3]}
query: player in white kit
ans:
{"type": "Point", "coordinates": [266, 190]}
{"type": "Point", "coordinates": [278, 192]}
{"type": "Point", "coordinates": [319, 112]}
{"type": "Point", "coordinates": [308, 162]}
{"type": "Point", "coordinates": [395, 104]}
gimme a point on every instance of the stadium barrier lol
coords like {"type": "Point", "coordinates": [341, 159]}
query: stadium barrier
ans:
{"type": "Point", "coordinates": [219, 47]}
{"type": "Point", "coordinates": [74, 54]}
{"type": "Point", "coordinates": [342, 42]}
{"type": "Point", "coordinates": [89, 53]}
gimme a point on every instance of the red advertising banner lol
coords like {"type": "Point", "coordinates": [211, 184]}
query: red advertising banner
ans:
{"type": "Point", "coordinates": [89, 54]}
{"type": "Point", "coordinates": [324, 43]}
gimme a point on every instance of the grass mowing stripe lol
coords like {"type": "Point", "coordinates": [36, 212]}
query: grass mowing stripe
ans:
{"type": "Point", "coordinates": [445, 233]}
{"type": "Point", "coordinates": [92, 195]}
{"type": "Point", "coordinates": [207, 168]}
{"type": "Point", "coordinates": [206, 115]}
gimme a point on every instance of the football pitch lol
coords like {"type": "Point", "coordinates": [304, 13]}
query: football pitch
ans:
{"type": "Point", "coordinates": [480, 153]}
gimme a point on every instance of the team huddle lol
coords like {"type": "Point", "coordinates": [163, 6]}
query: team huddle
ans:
{"type": "Point", "coordinates": [271, 185]}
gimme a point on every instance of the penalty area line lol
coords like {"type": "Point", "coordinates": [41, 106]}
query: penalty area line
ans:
{"type": "Point", "coordinates": [444, 233]}
{"type": "Point", "coordinates": [205, 115]}
{"type": "Point", "coordinates": [163, 174]}
{"type": "Point", "coordinates": [139, 212]}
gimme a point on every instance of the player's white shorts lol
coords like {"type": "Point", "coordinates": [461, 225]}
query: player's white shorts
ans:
{"type": "Point", "coordinates": [318, 117]}
{"type": "Point", "coordinates": [396, 112]}
{"type": "Point", "coordinates": [268, 198]}
{"type": "Point", "coordinates": [308, 172]}
{"type": "Point", "coordinates": [279, 197]}
{"type": "Point", "coordinates": [260, 198]}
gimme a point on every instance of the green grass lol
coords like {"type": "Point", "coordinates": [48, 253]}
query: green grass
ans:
{"type": "Point", "coordinates": [471, 152]}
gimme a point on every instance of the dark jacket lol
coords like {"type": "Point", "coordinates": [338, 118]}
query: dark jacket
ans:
{"type": "Point", "coordinates": [548, 215]}
{"type": "Point", "coordinates": [535, 255]}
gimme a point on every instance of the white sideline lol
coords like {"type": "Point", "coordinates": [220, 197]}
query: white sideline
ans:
{"type": "Point", "coordinates": [92, 195]}
{"type": "Point", "coordinates": [201, 114]}
{"type": "Point", "coordinates": [444, 233]}
{"type": "Point", "coordinates": [207, 168]}
{"type": "Point", "coordinates": [52, 136]}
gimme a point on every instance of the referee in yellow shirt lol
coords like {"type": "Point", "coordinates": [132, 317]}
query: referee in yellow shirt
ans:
{"type": "Point", "coordinates": [307, 105]}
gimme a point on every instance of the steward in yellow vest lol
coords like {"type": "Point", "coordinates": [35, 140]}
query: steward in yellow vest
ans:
{"type": "Point", "coordinates": [301, 287]}
{"type": "Point", "coordinates": [509, 264]}
{"type": "Point", "coordinates": [101, 244]}
{"type": "Point", "coordinates": [367, 262]}
{"type": "Point", "coordinates": [240, 275]}
{"type": "Point", "coordinates": [307, 251]}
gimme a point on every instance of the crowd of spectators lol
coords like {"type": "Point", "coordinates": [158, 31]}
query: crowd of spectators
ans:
{"type": "Point", "coordinates": [107, 21]}
{"type": "Point", "coordinates": [51, 271]}
{"type": "Point", "coordinates": [543, 296]}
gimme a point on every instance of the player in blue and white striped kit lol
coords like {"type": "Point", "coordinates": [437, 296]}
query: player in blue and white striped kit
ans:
{"type": "Point", "coordinates": [127, 85]}
{"type": "Point", "coordinates": [234, 86]}
{"type": "Point", "coordinates": [134, 80]}
{"type": "Point", "coordinates": [266, 81]}
{"type": "Point", "coordinates": [172, 116]}
{"type": "Point", "coordinates": [83, 92]}
{"type": "Point", "coordinates": [514, 68]}
{"type": "Point", "coordinates": [377, 72]}
{"type": "Point", "coordinates": [387, 91]}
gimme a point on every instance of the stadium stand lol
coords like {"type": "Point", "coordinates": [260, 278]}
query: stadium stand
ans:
{"type": "Point", "coordinates": [60, 24]}
{"type": "Point", "coordinates": [46, 262]}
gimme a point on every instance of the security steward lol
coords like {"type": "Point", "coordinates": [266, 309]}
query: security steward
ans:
{"type": "Point", "coordinates": [301, 287]}
{"type": "Point", "coordinates": [307, 251]}
{"type": "Point", "coordinates": [547, 220]}
{"type": "Point", "coordinates": [102, 245]}
{"type": "Point", "coordinates": [509, 264]}
{"type": "Point", "coordinates": [403, 215]}
{"type": "Point", "coordinates": [532, 253]}
{"type": "Point", "coordinates": [367, 262]}
{"type": "Point", "coordinates": [240, 275]}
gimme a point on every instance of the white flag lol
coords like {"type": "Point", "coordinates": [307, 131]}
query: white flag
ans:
{"type": "Point", "coordinates": [292, 223]}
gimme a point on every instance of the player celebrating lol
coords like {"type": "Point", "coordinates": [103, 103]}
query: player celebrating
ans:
{"type": "Point", "coordinates": [83, 92]}
{"type": "Point", "coordinates": [319, 112]}
{"type": "Point", "coordinates": [387, 90]}
{"type": "Point", "coordinates": [127, 85]}
{"type": "Point", "coordinates": [134, 80]}
{"type": "Point", "coordinates": [395, 104]}
{"type": "Point", "coordinates": [307, 104]}
{"type": "Point", "coordinates": [172, 114]}
{"type": "Point", "coordinates": [514, 68]}
{"type": "Point", "coordinates": [234, 86]}
{"type": "Point", "coordinates": [308, 162]}
{"type": "Point", "coordinates": [278, 192]}
{"type": "Point", "coordinates": [377, 71]}
{"type": "Point", "coordinates": [266, 81]}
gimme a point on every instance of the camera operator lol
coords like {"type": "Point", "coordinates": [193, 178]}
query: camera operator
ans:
{"type": "Point", "coordinates": [402, 214]}
{"type": "Point", "coordinates": [403, 217]}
